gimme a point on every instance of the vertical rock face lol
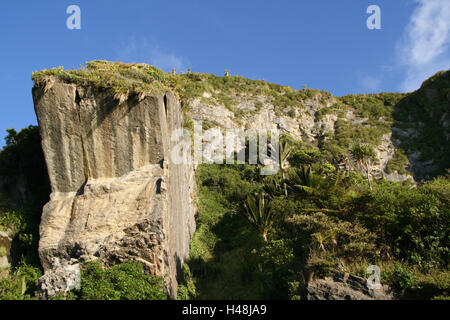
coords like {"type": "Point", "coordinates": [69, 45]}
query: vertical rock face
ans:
{"type": "Point", "coordinates": [116, 195]}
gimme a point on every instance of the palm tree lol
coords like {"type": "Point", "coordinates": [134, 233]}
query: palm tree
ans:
{"type": "Point", "coordinates": [320, 240]}
{"type": "Point", "coordinates": [323, 240]}
{"type": "Point", "coordinates": [273, 186]}
{"type": "Point", "coordinates": [285, 151]}
{"type": "Point", "coordinates": [364, 156]}
{"type": "Point", "coordinates": [305, 180]}
{"type": "Point", "coordinates": [259, 214]}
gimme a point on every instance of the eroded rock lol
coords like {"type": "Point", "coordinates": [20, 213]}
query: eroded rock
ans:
{"type": "Point", "coordinates": [343, 286]}
{"type": "Point", "coordinates": [116, 194]}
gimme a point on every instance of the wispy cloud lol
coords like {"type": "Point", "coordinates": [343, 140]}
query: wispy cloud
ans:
{"type": "Point", "coordinates": [144, 50]}
{"type": "Point", "coordinates": [424, 48]}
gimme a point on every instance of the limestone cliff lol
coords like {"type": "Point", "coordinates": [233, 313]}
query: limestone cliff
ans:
{"type": "Point", "coordinates": [116, 195]}
{"type": "Point", "coordinates": [307, 122]}
{"type": "Point", "coordinates": [409, 132]}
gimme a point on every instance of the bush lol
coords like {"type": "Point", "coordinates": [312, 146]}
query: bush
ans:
{"type": "Point", "coordinates": [320, 267]}
{"type": "Point", "coordinates": [278, 268]}
{"type": "Point", "coordinates": [186, 285]}
{"type": "Point", "coordinates": [320, 234]}
{"type": "Point", "coordinates": [398, 163]}
{"type": "Point", "coordinates": [126, 281]}
{"type": "Point", "coordinates": [411, 223]}
{"type": "Point", "coordinates": [182, 292]}
{"type": "Point", "coordinates": [20, 285]}
{"type": "Point", "coordinates": [22, 160]}
{"type": "Point", "coordinates": [402, 277]}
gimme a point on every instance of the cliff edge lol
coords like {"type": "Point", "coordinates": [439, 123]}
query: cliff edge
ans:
{"type": "Point", "coordinates": [116, 196]}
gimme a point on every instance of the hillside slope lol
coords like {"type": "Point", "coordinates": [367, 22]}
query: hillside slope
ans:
{"type": "Point", "coordinates": [118, 196]}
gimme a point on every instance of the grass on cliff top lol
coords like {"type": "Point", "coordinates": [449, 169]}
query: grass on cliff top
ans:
{"type": "Point", "coordinates": [123, 78]}
{"type": "Point", "coordinates": [371, 106]}
{"type": "Point", "coordinates": [193, 85]}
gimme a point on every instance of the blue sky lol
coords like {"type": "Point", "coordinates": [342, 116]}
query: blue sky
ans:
{"type": "Point", "coordinates": [323, 44]}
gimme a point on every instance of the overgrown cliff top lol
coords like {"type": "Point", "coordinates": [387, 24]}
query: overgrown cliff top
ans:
{"type": "Point", "coordinates": [424, 114]}
{"type": "Point", "coordinates": [124, 78]}
{"type": "Point", "coordinates": [119, 77]}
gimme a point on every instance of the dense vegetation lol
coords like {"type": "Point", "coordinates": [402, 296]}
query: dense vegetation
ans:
{"type": "Point", "coordinates": [426, 111]}
{"type": "Point", "coordinates": [22, 167]}
{"type": "Point", "coordinates": [126, 281]}
{"type": "Point", "coordinates": [128, 79]}
{"type": "Point", "coordinates": [330, 220]}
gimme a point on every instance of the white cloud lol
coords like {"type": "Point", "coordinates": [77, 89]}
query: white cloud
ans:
{"type": "Point", "coordinates": [424, 48]}
{"type": "Point", "coordinates": [142, 50]}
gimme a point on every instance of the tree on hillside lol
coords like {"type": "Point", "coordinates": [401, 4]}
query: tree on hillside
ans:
{"type": "Point", "coordinates": [259, 214]}
{"type": "Point", "coordinates": [304, 180]}
{"type": "Point", "coordinates": [285, 152]}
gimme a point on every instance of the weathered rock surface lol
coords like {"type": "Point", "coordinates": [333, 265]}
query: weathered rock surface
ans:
{"type": "Point", "coordinates": [65, 276]}
{"type": "Point", "coordinates": [116, 195]}
{"type": "Point", "coordinates": [5, 255]}
{"type": "Point", "coordinates": [343, 286]}
{"type": "Point", "coordinates": [302, 124]}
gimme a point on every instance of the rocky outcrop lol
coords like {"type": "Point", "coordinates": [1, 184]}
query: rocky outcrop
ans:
{"type": "Point", "coordinates": [116, 195]}
{"type": "Point", "coordinates": [343, 286]}
{"type": "Point", "coordinates": [300, 123]}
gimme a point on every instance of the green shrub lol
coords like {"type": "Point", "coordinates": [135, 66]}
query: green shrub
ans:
{"type": "Point", "coordinates": [301, 157]}
{"type": "Point", "coordinates": [434, 285]}
{"type": "Point", "coordinates": [411, 223]}
{"type": "Point", "coordinates": [186, 284]}
{"type": "Point", "coordinates": [320, 267]}
{"type": "Point", "coordinates": [373, 106]}
{"type": "Point", "coordinates": [70, 295]}
{"type": "Point", "coordinates": [398, 162]}
{"type": "Point", "coordinates": [126, 281]}
{"type": "Point", "coordinates": [319, 233]}
{"type": "Point", "coordinates": [182, 292]}
{"type": "Point", "coordinates": [402, 277]}
{"type": "Point", "coordinates": [22, 158]}
{"type": "Point", "coordinates": [21, 284]}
